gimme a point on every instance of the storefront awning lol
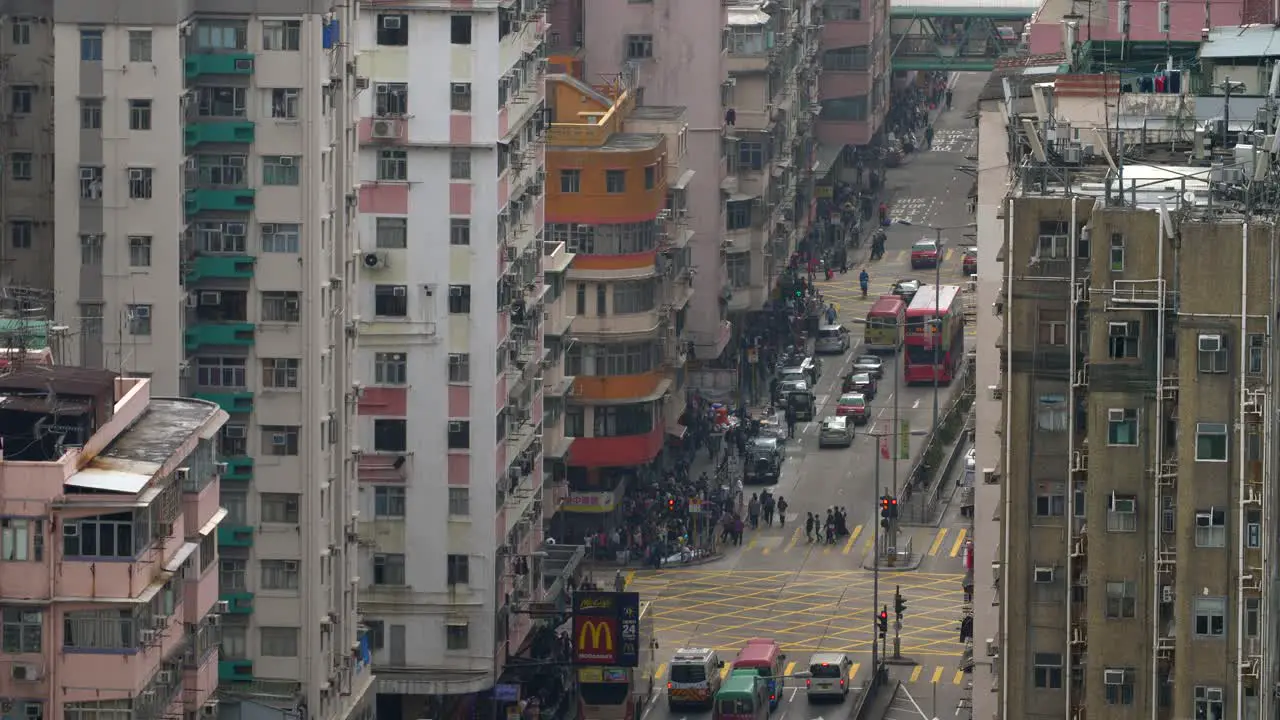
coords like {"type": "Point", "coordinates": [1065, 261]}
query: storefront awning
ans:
{"type": "Point", "coordinates": [825, 157]}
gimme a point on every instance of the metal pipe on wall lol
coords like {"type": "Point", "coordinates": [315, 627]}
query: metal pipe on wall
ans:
{"type": "Point", "coordinates": [1157, 449]}
{"type": "Point", "coordinates": [1072, 334]}
{"type": "Point", "coordinates": [1006, 516]}
{"type": "Point", "coordinates": [1241, 472]}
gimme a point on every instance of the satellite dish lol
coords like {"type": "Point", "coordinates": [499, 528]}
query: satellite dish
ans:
{"type": "Point", "coordinates": [1189, 197]}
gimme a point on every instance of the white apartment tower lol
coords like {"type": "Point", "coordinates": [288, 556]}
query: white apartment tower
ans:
{"type": "Point", "coordinates": [454, 284]}
{"type": "Point", "coordinates": [204, 235]}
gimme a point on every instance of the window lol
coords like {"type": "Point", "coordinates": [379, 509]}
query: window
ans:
{"type": "Point", "coordinates": [99, 630]}
{"type": "Point", "coordinates": [1209, 703]}
{"type": "Point", "coordinates": [391, 300]}
{"type": "Point", "coordinates": [140, 183]}
{"type": "Point", "coordinates": [459, 299]}
{"type": "Point", "coordinates": [221, 102]}
{"type": "Point", "coordinates": [21, 32]}
{"type": "Point", "coordinates": [1047, 670]}
{"type": "Point", "coordinates": [90, 182]}
{"type": "Point", "coordinates": [281, 306]}
{"type": "Point", "coordinates": [90, 114]}
{"type": "Point", "coordinates": [739, 269]}
{"type": "Point", "coordinates": [16, 538]}
{"type": "Point", "coordinates": [639, 47]}
{"type": "Point", "coordinates": [751, 155]}
{"type": "Point", "coordinates": [280, 575]}
{"type": "Point", "coordinates": [91, 319]}
{"type": "Point", "coordinates": [284, 103]}
{"type": "Point", "coordinates": [1257, 353]}
{"type": "Point", "coordinates": [459, 501]}
{"type": "Point", "coordinates": [393, 30]}
{"type": "Point", "coordinates": [105, 536]}
{"type": "Point", "coordinates": [91, 46]}
{"type": "Point", "coordinates": [650, 177]}
{"type": "Point", "coordinates": [388, 569]}
{"type": "Point", "coordinates": [391, 99]}
{"type": "Point", "coordinates": [279, 642]}
{"type": "Point", "coordinates": [622, 420]}
{"type": "Point", "coordinates": [1252, 616]}
{"type": "Point", "coordinates": [280, 170]}
{"type": "Point", "coordinates": [388, 501]}
{"type": "Point", "coordinates": [391, 233]}
{"type": "Point", "coordinates": [221, 170]}
{"type": "Point", "coordinates": [22, 97]}
{"type": "Point", "coordinates": [1119, 686]}
{"type": "Point", "coordinates": [1122, 599]}
{"type": "Point", "coordinates": [1122, 426]}
{"type": "Point", "coordinates": [236, 505]}
{"type": "Point", "coordinates": [139, 114]}
{"type": "Point", "coordinates": [459, 434]}
{"type": "Point", "coordinates": [615, 181]}
{"type": "Point", "coordinates": [570, 181]}
{"type": "Point", "coordinates": [1050, 505]}
{"type": "Point", "coordinates": [139, 251]}
{"type": "Point", "coordinates": [1253, 528]}
{"type": "Point", "coordinates": [139, 317]}
{"type": "Point", "coordinates": [393, 165]}
{"type": "Point", "coordinates": [1211, 442]}
{"type": "Point", "coordinates": [20, 165]}
{"type": "Point", "coordinates": [460, 30]}
{"type": "Point", "coordinates": [1211, 353]}
{"type": "Point", "coordinates": [1211, 616]}
{"type": "Point", "coordinates": [460, 165]}
{"type": "Point", "coordinates": [280, 440]}
{"type": "Point", "coordinates": [231, 574]}
{"type": "Point", "coordinates": [221, 372]}
{"type": "Point", "coordinates": [375, 631]}
{"type": "Point", "coordinates": [1122, 340]}
{"type": "Point", "coordinates": [222, 35]}
{"type": "Point", "coordinates": [390, 368]}
{"type": "Point", "coordinates": [1053, 327]}
{"type": "Point", "coordinates": [140, 46]}
{"type": "Point", "coordinates": [1122, 514]}
{"type": "Point", "coordinates": [1051, 413]}
{"type": "Point", "coordinates": [457, 635]}
{"type": "Point", "coordinates": [280, 373]}
{"type": "Point", "coordinates": [23, 630]}
{"type": "Point", "coordinates": [459, 367]}
{"type": "Point", "coordinates": [460, 97]}
{"type": "Point", "coordinates": [281, 35]}
{"type": "Point", "coordinates": [633, 296]}
{"type": "Point", "coordinates": [1117, 252]}
{"type": "Point", "coordinates": [390, 435]}
{"type": "Point", "coordinates": [1211, 528]}
{"type": "Point", "coordinates": [459, 569]}
{"type": "Point", "coordinates": [846, 59]}
{"type": "Point", "coordinates": [575, 423]}
{"type": "Point", "coordinates": [460, 231]}
{"type": "Point", "coordinates": [1052, 241]}
{"type": "Point", "coordinates": [737, 214]}
{"type": "Point", "coordinates": [281, 237]}
{"type": "Point", "coordinates": [20, 232]}
{"type": "Point", "coordinates": [280, 508]}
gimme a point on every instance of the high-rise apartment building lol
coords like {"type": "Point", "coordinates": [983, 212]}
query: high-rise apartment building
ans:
{"type": "Point", "coordinates": [1133, 425]}
{"type": "Point", "coordinates": [460, 346]}
{"type": "Point", "coordinates": [192, 210]}
{"type": "Point", "coordinates": [855, 85]}
{"type": "Point", "coordinates": [617, 197]}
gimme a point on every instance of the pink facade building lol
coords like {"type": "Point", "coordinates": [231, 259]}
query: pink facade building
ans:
{"type": "Point", "coordinates": [854, 85]}
{"type": "Point", "coordinates": [109, 515]}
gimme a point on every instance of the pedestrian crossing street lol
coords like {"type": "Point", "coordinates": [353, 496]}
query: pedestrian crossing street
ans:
{"type": "Point", "coordinates": [946, 673]}
{"type": "Point", "coordinates": [946, 542]}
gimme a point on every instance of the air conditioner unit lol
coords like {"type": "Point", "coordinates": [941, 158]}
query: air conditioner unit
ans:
{"type": "Point", "coordinates": [221, 468]}
{"type": "Point", "coordinates": [234, 228]}
{"type": "Point", "coordinates": [244, 64]}
{"type": "Point", "coordinates": [182, 474]}
{"type": "Point", "coordinates": [237, 161]}
{"type": "Point", "coordinates": [164, 529]}
{"type": "Point", "coordinates": [1113, 677]}
{"type": "Point", "coordinates": [1209, 343]}
{"type": "Point", "coordinates": [192, 300]}
{"type": "Point", "coordinates": [222, 607]}
{"type": "Point", "coordinates": [268, 228]}
{"type": "Point", "coordinates": [375, 260]}
{"type": "Point", "coordinates": [148, 637]}
{"type": "Point", "coordinates": [141, 312]}
{"type": "Point", "coordinates": [235, 432]}
{"type": "Point", "coordinates": [399, 291]}
{"type": "Point", "coordinates": [285, 161]}
{"type": "Point", "coordinates": [210, 710]}
{"type": "Point", "coordinates": [1166, 594]}
{"type": "Point", "coordinates": [995, 392]}
{"type": "Point", "coordinates": [164, 677]}
{"type": "Point", "coordinates": [211, 297]}
{"type": "Point", "coordinates": [24, 672]}
{"type": "Point", "coordinates": [391, 22]}
{"type": "Point", "coordinates": [1044, 574]}
{"type": "Point", "coordinates": [1115, 415]}
{"type": "Point", "coordinates": [362, 83]}
{"type": "Point", "coordinates": [385, 129]}
{"type": "Point", "coordinates": [460, 88]}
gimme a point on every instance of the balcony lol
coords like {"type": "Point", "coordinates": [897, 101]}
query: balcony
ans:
{"type": "Point", "coordinates": [238, 603]}
{"type": "Point", "coordinates": [196, 134]}
{"type": "Point", "coordinates": [220, 267]}
{"type": "Point", "coordinates": [239, 469]}
{"type": "Point", "coordinates": [230, 671]}
{"type": "Point", "coordinates": [232, 402]}
{"type": "Point", "coordinates": [221, 64]}
{"type": "Point", "coordinates": [233, 334]}
{"type": "Point", "coordinates": [233, 200]}
{"type": "Point", "coordinates": [235, 536]}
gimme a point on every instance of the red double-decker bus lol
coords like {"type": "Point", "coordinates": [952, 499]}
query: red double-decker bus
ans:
{"type": "Point", "coordinates": [934, 316]}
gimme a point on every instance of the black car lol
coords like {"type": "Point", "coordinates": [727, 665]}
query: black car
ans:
{"type": "Point", "coordinates": [764, 461]}
{"type": "Point", "coordinates": [906, 289]}
{"type": "Point", "coordinates": [861, 382]}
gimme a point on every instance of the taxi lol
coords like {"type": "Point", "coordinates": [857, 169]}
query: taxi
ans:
{"type": "Point", "coordinates": [854, 407]}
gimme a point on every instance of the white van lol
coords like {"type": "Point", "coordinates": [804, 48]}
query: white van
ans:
{"type": "Point", "coordinates": [829, 677]}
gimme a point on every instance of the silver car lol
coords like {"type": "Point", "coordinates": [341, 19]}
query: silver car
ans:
{"type": "Point", "coordinates": [832, 339]}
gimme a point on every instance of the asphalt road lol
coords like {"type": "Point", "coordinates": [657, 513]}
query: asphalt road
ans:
{"type": "Point", "coordinates": [816, 597]}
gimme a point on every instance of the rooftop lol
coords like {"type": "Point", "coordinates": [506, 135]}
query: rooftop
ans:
{"type": "Point", "coordinates": [620, 142]}
{"type": "Point", "coordinates": [1249, 41]}
{"type": "Point", "coordinates": [658, 112]}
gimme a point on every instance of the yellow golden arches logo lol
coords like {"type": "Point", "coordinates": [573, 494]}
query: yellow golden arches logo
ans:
{"type": "Point", "coordinates": [601, 635]}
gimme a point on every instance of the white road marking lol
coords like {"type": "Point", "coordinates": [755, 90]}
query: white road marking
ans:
{"type": "Point", "coordinates": [915, 404]}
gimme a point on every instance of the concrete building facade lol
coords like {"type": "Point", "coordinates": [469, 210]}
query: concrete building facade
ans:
{"type": "Point", "coordinates": [856, 54]}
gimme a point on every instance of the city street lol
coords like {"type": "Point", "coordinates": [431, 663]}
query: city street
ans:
{"type": "Point", "coordinates": [816, 597]}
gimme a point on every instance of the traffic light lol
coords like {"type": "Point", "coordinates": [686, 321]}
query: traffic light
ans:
{"type": "Point", "coordinates": [888, 509]}
{"type": "Point", "coordinates": [671, 505]}
{"type": "Point", "coordinates": [899, 603]}
{"type": "Point", "coordinates": [883, 621]}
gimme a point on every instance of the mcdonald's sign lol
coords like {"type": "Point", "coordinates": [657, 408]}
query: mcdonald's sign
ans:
{"type": "Point", "coordinates": [595, 640]}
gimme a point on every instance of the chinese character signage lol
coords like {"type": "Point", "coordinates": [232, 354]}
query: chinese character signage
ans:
{"type": "Point", "coordinates": [606, 628]}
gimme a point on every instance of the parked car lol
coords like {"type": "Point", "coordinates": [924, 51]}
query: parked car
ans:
{"type": "Point", "coordinates": [854, 406]}
{"type": "Point", "coordinates": [860, 382]}
{"type": "Point", "coordinates": [832, 339]}
{"type": "Point", "coordinates": [764, 461]}
{"type": "Point", "coordinates": [869, 364]}
{"type": "Point", "coordinates": [836, 431]}
{"type": "Point", "coordinates": [906, 289]}
{"type": "Point", "coordinates": [925, 254]}
{"type": "Point", "coordinates": [969, 261]}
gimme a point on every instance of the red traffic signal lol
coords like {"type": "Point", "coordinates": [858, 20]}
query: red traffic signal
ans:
{"type": "Point", "coordinates": [671, 504]}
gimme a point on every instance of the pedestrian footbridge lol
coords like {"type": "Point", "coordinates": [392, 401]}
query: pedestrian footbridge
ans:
{"type": "Point", "coordinates": [956, 36]}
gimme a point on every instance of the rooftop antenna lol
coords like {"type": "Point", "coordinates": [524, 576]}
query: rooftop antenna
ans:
{"type": "Point", "coordinates": [1124, 28]}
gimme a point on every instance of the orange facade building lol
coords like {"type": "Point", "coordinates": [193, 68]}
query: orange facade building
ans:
{"type": "Point", "coordinates": [614, 197]}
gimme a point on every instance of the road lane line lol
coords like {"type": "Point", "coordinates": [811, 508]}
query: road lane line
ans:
{"type": "Point", "coordinates": [662, 670]}
{"type": "Point", "coordinates": [959, 543]}
{"type": "Point", "coordinates": [626, 580]}
{"type": "Point", "coordinates": [853, 670]}
{"type": "Point", "coordinates": [937, 542]}
{"type": "Point", "coordinates": [791, 666]}
{"type": "Point", "coordinates": [795, 538]}
{"type": "Point", "coordinates": [724, 672]}
{"type": "Point", "coordinates": [915, 674]}
{"type": "Point", "coordinates": [853, 538]}
{"type": "Point", "coordinates": [752, 543]}
{"type": "Point", "coordinates": [937, 675]}
{"type": "Point", "coordinates": [959, 678]}
{"type": "Point", "coordinates": [870, 542]}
